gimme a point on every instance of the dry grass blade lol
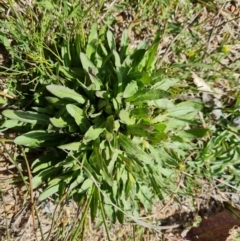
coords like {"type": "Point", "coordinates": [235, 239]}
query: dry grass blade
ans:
{"type": "Point", "coordinates": [175, 39]}
{"type": "Point", "coordinates": [31, 193]}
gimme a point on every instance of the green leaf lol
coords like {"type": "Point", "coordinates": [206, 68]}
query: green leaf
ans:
{"type": "Point", "coordinates": [6, 42]}
{"type": "Point", "coordinates": [88, 65]}
{"type": "Point", "coordinates": [45, 175]}
{"type": "Point", "coordinates": [92, 134]}
{"type": "Point", "coordinates": [111, 40]}
{"type": "Point", "coordinates": [113, 161]}
{"type": "Point", "coordinates": [92, 71]}
{"type": "Point", "coordinates": [27, 116]}
{"type": "Point", "coordinates": [110, 124]}
{"type": "Point", "coordinates": [50, 190]}
{"type": "Point", "coordinates": [137, 57]}
{"type": "Point", "coordinates": [63, 92]}
{"type": "Point", "coordinates": [80, 178]}
{"type": "Point", "coordinates": [164, 84]}
{"type": "Point", "coordinates": [47, 160]}
{"type": "Point", "coordinates": [39, 139]}
{"type": "Point", "coordinates": [143, 112]}
{"type": "Point", "coordinates": [146, 79]}
{"type": "Point", "coordinates": [152, 53]}
{"type": "Point", "coordinates": [85, 186]}
{"type": "Point", "coordinates": [58, 122]}
{"type": "Point", "coordinates": [2, 101]}
{"type": "Point", "coordinates": [56, 101]}
{"type": "Point", "coordinates": [162, 104]}
{"type": "Point", "coordinates": [120, 216]}
{"type": "Point", "coordinates": [92, 41]}
{"type": "Point", "coordinates": [140, 129]}
{"type": "Point", "coordinates": [193, 133]}
{"type": "Point", "coordinates": [117, 60]}
{"type": "Point", "coordinates": [124, 44]}
{"type": "Point", "coordinates": [125, 118]}
{"type": "Point", "coordinates": [160, 127]}
{"type": "Point", "coordinates": [180, 111]}
{"type": "Point", "coordinates": [130, 89]}
{"type": "Point", "coordinates": [97, 155]}
{"type": "Point", "coordinates": [79, 117]}
{"type": "Point", "coordinates": [7, 124]}
{"type": "Point", "coordinates": [94, 204]}
{"type": "Point", "coordinates": [42, 110]}
{"type": "Point", "coordinates": [73, 146]}
{"type": "Point", "coordinates": [148, 94]}
{"type": "Point", "coordinates": [134, 150]}
{"type": "Point", "coordinates": [156, 138]}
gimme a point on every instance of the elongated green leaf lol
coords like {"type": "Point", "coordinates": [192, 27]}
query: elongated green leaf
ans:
{"type": "Point", "coordinates": [134, 150]}
{"type": "Point", "coordinates": [63, 92]}
{"type": "Point", "coordinates": [80, 178]}
{"type": "Point", "coordinates": [124, 44]}
{"type": "Point", "coordinates": [43, 176]}
{"type": "Point", "coordinates": [152, 53]}
{"type": "Point", "coordinates": [50, 190]}
{"type": "Point", "coordinates": [79, 117]}
{"type": "Point", "coordinates": [87, 64]}
{"type": "Point", "coordinates": [113, 161]}
{"type": "Point", "coordinates": [47, 160]}
{"type": "Point", "coordinates": [92, 134]}
{"type": "Point", "coordinates": [7, 124]}
{"type": "Point", "coordinates": [94, 203]}
{"type": "Point", "coordinates": [55, 101]}
{"type": "Point", "coordinates": [111, 40]}
{"type": "Point", "coordinates": [162, 103]}
{"type": "Point", "coordinates": [193, 133]}
{"type": "Point", "coordinates": [27, 116]}
{"type": "Point", "coordinates": [92, 41]}
{"type": "Point", "coordinates": [73, 146]}
{"type": "Point", "coordinates": [136, 57]}
{"type": "Point", "coordinates": [42, 166]}
{"type": "Point", "coordinates": [39, 139]}
{"type": "Point", "coordinates": [130, 89]}
{"type": "Point", "coordinates": [87, 184]}
{"type": "Point", "coordinates": [165, 84]}
{"type": "Point", "coordinates": [141, 130]}
{"type": "Point", "coordinates": [180, 111]}
{"type": "Point", "coordinates": [92, 71]}
{"type": "Point", "coordinates": [148, 94]}
{"type": "Point", "coordinates": [117, 59]}
{"type": "Point", "coordinates": [42, 110]}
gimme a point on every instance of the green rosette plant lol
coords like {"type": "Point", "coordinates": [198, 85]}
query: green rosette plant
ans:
{"type": "Point", "coordinates": [112, 131]}
{"type": "Point", "coordinates": [220, 156]}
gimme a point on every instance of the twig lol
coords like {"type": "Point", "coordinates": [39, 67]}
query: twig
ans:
{"type": "Point", "coordinates": [8, 168]}
{"type": "Point", "coordinates": [31, 192]}
{"type": "Point", "coordinates": [6, 95]}
{"type": "Point", "coordinates": [5, 214]}
{"type": "Point", "coordinates": [54, 214]}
